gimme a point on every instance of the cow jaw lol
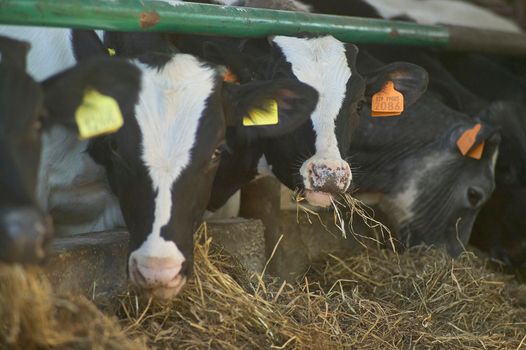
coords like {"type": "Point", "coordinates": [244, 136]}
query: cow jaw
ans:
{"type": "Point", "coordinates": [318, 199]}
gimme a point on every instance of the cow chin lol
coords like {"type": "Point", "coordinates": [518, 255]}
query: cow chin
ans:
{"type": "Point", "coordinates": [318, 199]}
{"type": "Point", "coordinates": [167, 293]}
{"type": "Point", "coordinates": [158, 267]}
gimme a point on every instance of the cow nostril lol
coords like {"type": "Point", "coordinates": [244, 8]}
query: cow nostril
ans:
{"type": "Point", "coordinates": [475, 196]}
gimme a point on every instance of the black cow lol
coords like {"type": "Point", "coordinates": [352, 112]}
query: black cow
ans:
{"type": "Point", "coordinates": [430, 192]}
{"type": "Point", "coordinates": [27, 109]}
{"type": "Point", "coordinates": [499, 229]}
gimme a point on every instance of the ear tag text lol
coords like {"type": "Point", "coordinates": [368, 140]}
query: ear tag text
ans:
{"type": "Point", "coordinates": [98, 115]}
{"type": "Point", "coordinates": [260, 117]}
{"type": "Point", "coordinates": [387, 102]}
{"type": "Point", "coordinates": [467, 140]}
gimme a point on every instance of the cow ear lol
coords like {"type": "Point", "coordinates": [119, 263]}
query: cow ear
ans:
{"type": "Point", "coordinates": [409, 79]}
{"type": "Point", "coordinates": [269, 108]}
{"type": "Point", "coordinates": [112, 78]}
{"type": "Point", "coordinates": [13, 52]}
{"type": "Point", "coordinates": [86, 44]}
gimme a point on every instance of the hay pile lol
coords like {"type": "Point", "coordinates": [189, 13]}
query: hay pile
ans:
{"type": "Point", "coordinates": [377, 300]}
{"type": "Point", "coordinates": [32, 317]}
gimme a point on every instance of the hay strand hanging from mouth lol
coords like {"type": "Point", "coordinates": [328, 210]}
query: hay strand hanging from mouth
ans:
{"type": "Point", "coordinates": [346, 209]}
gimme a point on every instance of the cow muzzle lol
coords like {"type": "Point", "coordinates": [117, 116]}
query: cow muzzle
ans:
{"type": "Point", "coordinates": [25, 234]}
{"type": "Point", "coordinates": [323, 178]}
{"type": "Point", "coordinates": [161, 277]}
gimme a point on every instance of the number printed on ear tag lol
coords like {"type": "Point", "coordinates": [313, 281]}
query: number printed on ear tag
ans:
{"type": "Point", "coordinates": [387, 102]}
{"type": "Point", "coordinates": [98, 115]}
{"type": "Point", "coordinates": [260, 117]}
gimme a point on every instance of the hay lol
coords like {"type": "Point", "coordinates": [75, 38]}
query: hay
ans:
{"type": "Point", "coordinates": [376, 300]}
{"type": "Point", "coordinates": [422, 299]}
{"type": "Point", "coordinates": [32, 317]}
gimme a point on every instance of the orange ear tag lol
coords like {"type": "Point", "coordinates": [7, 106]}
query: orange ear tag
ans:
{"type": "Point", "coordinates": [230, 77]}
{"type": "Point", "coordinates": [477, 152]}
{"type": "Point", "coordinates": [387, 102]}
{"type": "Point", "coordinates": [466, 141]}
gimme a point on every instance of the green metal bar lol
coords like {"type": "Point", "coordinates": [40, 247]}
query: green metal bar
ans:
{"type": "Point", "coordinates": [137, 15]}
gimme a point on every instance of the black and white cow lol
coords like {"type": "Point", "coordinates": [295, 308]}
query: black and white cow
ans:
{"type": "Point", "coordinates": [313, 157]}
{"type": "Point", "coordinates": [28, 109]}
{"type": "Point", "coordinates": [160, 165]}
{"type": "Point", "coordinates": [447, 89]}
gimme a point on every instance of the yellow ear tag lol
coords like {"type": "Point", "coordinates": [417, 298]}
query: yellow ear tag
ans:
{"type": "Point", "coordinates": [111, 51]}
{"type": "Point", "coordinates": [98, 115]}
{"type": "Point", "coordinates": [387, 102]}
{"type": "Point", "coordinates": [260, 117]}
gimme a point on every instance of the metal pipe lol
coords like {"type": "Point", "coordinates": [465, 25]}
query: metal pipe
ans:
{"type": "Point", "coordinates": [136, 15]}
{"type": "Point", "coordinates": [192, 18]}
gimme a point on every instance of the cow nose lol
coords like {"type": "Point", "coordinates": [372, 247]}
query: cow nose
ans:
{"type": "Point", "coordinates": [475, 196]}
{"type": "Point", "coordinates": [24, 236]}
{"type": "Point", "coordinates": [162, 277]}
{"type": "Point", "coordinates": [331, 176]}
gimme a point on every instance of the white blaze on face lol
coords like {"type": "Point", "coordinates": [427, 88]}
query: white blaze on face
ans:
{"type": "Point", "coordinates": [402, 204]}
{"type": "Point", "coordinates": [170, 105]}
{"type": "Point", "coordinates": [321, 63]}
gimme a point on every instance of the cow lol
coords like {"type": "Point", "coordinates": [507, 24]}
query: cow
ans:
{"type": "Point", "coordinates": [436, 191]}
{"type": "Point", "coordinates": [499, 97]}
{"type": "Point", "coordinates": [311, 159]}
{"type": "Point", "coordinates": [155, 173]}
{"type": "Point", "coordinates": [27, 111]}
{"type": "Point", "coordinates": [501, 88]}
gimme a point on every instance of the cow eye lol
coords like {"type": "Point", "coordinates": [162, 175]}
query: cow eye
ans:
{"type": "Point", "coordinates": [217, 153]}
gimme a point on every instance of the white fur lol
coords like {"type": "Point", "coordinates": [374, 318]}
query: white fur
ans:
{"type": "Point", "coordinates": [50, 52]}
{"type": "Point", "coordinates": [444, 12]}
{"type": "Point", "coordinates": [228, 211]}
{"type": "Point", "coordinates": [72, 186]}
{"type": "Point", "coordinates": [168, 114]}
{"type": "Point", "coordinates": [403, 202]}
{"type": "Point", "coordinates": [493, 163]}
{"type": "Point", "coordinates": [264, 168]}
{"type": "Point", "coordinates": [69, 182]}
{"type": "Point", "coordinates": [322, 64]}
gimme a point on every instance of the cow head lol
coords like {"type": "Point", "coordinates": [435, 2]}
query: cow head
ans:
{"type": "Point", "coordinates": [431, 193]}
{"type": "Point", "coordinates": [26, 110]}
{"type": "Point", "coordinates": [161, 164]}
